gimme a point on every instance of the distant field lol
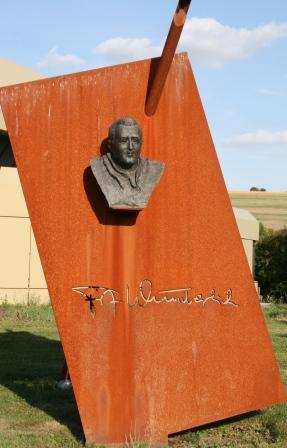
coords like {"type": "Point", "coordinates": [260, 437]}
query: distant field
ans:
{"type": "Point", "coordinates": [269, 208]}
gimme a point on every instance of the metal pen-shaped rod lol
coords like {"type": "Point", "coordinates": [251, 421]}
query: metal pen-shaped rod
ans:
{"type": "Point", "coordinates": [166, 58]}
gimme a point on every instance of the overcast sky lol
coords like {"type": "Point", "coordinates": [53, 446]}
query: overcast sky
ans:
{"type": "Point", "coordinates": [238, 50]}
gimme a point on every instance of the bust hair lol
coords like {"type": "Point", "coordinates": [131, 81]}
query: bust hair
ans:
{"type": "Point", "coordinates": [125, 121]}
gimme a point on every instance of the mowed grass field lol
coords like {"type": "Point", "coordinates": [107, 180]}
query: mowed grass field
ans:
{"type": "Point", "coordinates": [34, 413]}
{"type": "Point", "coordinates": [269, 208]}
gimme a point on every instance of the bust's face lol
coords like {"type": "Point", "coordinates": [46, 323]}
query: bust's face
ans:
{"type": "Point", "coordinates": [126, 145]}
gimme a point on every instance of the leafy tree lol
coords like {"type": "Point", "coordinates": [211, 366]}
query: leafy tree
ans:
{"type": "Point", "coordinates": [257, 189]}
{"type": "Point", "coordinates": [271, 263]}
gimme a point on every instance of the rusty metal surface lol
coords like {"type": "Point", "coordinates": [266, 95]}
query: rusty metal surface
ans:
{"type": "Point", "coordinates": [164, 63]}
{"type": "Point", "coordinates": [154, 365]}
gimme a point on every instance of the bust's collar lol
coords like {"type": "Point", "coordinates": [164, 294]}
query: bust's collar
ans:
{"type": "Point", "coordinates": [132, 175]}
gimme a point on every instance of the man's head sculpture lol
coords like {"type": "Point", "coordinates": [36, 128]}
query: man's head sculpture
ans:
{"type": "Point", "coordinates": [125, 177]}
{"type": "Point", "coordinates": [124, 142]}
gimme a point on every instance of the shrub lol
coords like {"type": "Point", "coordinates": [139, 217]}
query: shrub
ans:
{"type": "Point", "coordinates": [271, 263]}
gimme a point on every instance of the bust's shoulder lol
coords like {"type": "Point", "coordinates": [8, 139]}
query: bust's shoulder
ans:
{"type": "Point", "coordinates": [155, 166]}
{"type": "Point", "coordinates": [99, 167]}
{"type": "Point", "coordinates": [98, 162]}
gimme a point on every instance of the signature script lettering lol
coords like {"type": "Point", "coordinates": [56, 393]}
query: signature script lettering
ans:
{"type": "Point", "coordinates": [103, 295]}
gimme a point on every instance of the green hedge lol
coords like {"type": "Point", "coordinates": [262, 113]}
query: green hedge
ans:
{"type": "Point", "coordinates": [271, 264]}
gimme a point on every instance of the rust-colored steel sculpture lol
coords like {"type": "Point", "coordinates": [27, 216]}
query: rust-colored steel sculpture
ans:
{"type": "Point", "coordinates": [158, 315]}
{"type": "Point", "coordinates": [157, 84]}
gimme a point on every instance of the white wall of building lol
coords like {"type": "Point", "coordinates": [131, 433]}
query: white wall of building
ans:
{"type": "Point", "coordinates": [21, 275]}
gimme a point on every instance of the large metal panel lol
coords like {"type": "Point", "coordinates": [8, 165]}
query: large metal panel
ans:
{"type": "Point", "coordinates": [37, 278]}
{"type": "Point", "coordinates": [150, 360]}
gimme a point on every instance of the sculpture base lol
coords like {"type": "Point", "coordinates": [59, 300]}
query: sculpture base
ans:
{"type": "Point", "coordinates": [126, 208]}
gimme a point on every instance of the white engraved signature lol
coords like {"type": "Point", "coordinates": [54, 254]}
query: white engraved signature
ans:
{"type": "Point", "coordinates": [103, 295]}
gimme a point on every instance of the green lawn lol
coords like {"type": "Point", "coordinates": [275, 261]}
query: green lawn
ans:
{"type": "Point", "coordinates": [269, 208]}
{"type": "Point", "coordinates": [33, 413]}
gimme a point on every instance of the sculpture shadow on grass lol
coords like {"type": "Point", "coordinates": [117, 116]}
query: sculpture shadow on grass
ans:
{"type": "Point", "coordinates": [30, 368]}
{"type": "Point", "coordinates": [217, 424]}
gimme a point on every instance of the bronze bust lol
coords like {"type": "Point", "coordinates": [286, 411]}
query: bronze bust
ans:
{"type": "Point", "coordinates": [125, 177]}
